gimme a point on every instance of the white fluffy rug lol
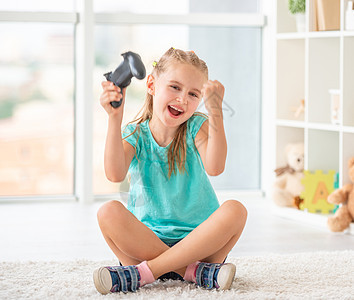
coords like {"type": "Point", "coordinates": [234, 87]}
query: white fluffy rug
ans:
{"type": "Point", "coordinates": [317, 275]}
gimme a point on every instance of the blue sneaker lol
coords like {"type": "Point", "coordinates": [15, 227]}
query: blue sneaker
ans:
{"type": "Point", "coordinates": [116, 279]}
{"type": "Point", "coordinates": [215, 276]}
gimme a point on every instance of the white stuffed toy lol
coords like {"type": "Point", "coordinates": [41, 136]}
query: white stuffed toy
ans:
{"type": "Point", "coordinates": [287, 186]}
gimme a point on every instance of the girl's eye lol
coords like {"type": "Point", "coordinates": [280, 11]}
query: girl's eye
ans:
{"type": "Point", "coordinates": [175, 87]}
{"type": "Point", "coordinates": [193, 95]}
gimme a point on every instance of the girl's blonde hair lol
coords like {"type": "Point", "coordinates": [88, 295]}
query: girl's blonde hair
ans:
{"type": "Point", "coordinates": [177, 150]}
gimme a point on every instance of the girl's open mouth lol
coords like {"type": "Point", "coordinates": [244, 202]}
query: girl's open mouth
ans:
{"type": "Point", "coordinates": [175, 111]}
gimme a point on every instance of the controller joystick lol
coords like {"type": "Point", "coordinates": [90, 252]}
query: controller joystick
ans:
{"type": "Point", "coordinates": [131, 66]}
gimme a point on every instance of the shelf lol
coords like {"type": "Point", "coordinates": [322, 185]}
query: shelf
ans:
{"type": "Point", "coordinates": [291, 123]}
{"type": "Point", "coordinates": [318, 126]}
{"type": "Point", "coordinates": [313, 35]}
{"type": "Point", "coordinates": [324, 126]}
{"type": "Point", "coordinates": [308, 65]}
{"type": "Point", "coordinates": [348, 33]}
{"type": "Point", "coordinates": [324, 34]}
{"type": "Point", "coordinates": [305, 218]}
{"type": "Point", "coordinates": [348, 129]}
{"type": "Point", "coordinates": [291, 36]}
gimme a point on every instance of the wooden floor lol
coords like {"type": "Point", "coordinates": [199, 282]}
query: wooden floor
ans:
{"type": "Point", "coordinates": [66, 231]}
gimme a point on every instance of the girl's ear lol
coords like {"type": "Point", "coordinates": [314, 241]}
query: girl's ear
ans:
{"type": "Point", "coordinates": [150, 84]}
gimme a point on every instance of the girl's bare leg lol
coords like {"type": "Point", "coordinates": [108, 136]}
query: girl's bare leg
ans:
{"type": "Point", "coordinates": [211, 241]}
{"type": "Point", "coordinates": [133, 242]}
{"type": "Point", "coordinates": [130, 240]}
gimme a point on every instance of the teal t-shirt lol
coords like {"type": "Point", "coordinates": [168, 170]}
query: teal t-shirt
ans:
{"type": "Point", "coordinates": [170, 207]}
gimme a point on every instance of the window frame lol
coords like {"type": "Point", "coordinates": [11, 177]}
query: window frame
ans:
{"type": "Point", "coordinates": [84, 20]}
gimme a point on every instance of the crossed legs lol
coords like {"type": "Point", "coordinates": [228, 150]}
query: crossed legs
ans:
{"type": "Point", "coordinates": [133, 242]}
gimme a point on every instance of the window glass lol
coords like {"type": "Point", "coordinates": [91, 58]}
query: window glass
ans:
{"type": "Point", "coordinates": [36, 109]}
{"type": "Point", "coordinates": [233, 57]}
{"type": "Point", "coordinates": [38, 5]}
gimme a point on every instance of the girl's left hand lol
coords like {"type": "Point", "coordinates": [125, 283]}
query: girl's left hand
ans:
{"type": "Point", "coordinates": [213, 95]}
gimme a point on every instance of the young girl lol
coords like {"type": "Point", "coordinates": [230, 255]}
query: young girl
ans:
{"type": "Point", "coordinates": [173, 227]}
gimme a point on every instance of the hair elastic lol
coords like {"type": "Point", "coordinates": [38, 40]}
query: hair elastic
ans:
{"type": "Point", "coordinates": [154, 63]}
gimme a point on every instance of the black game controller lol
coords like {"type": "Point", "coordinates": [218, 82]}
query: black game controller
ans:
{"type": "Point", "coordinates": [131, 66]}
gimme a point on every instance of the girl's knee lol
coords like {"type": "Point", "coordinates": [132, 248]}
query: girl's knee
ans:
{"type": "Point", "coordinates": [109, 210]}
{"type": "Point", "coordinates": [235, 210]}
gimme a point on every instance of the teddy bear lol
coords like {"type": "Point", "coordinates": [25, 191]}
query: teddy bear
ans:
{"type": "Point", "coordinates": [287, 186]}
{"type": "Point", "coordinates": [345, 196]}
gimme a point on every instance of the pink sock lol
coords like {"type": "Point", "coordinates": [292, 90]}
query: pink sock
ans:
{"type": "Point", "coordinates": [146, 275]}
{"type": "Point", "coordinates": [191, 270]}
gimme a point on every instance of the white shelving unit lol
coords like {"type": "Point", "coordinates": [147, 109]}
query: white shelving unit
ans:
{"type": "Point", "coordinates": [308, 65]}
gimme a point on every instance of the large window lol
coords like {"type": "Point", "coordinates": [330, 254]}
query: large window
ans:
{"type": "Point", "coordinates": [40, 105]}
{"type": "Point", "coordinates": [36, 109]}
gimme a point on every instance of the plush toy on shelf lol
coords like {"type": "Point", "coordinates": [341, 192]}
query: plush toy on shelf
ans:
{"type": "Point", "coordinates": [345, 196]}
{"type": "Point", "coordinates": [287, 186]}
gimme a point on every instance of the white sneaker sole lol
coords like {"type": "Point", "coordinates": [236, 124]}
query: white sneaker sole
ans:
{"type": "Point", "coordinates": [226, 276]}
{"type": "Point", "coordinates": [103, 280]}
